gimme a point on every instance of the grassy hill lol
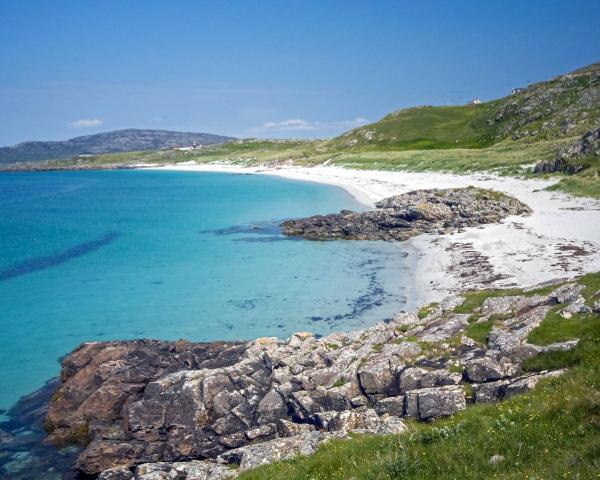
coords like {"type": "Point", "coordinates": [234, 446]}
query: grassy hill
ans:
{"type": "Point", "coordinates": [566, 106]}
{"type": "Point", "coordinates": [421, 128]}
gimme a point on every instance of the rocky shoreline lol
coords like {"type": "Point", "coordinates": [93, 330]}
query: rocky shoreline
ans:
{"type": "Point", "coordinates": [404, 216]}
{"type": "Point", "coordinates": [158, 410]}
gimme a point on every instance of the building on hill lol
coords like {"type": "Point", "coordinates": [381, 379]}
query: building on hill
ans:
{"type": "Point", "coordinates": [475, 101]}
{"type": "Point", "coordinates": [517, 90]}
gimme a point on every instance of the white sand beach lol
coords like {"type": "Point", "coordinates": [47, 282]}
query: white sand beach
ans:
{"type": "Point", "coordinates": [560, 239]}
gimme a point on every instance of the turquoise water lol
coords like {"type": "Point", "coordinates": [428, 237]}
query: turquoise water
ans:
{"type": "Point", "coordinates": [169, 255]}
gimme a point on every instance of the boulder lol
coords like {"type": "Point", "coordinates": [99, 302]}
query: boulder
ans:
{"type": "Point", "coordinates": [391, 406]}
{"type": "Point", "coordinates": [567, 293]}
{"type": "Point", "coordinates": [429, 403]}
{"type": "Point", "coordinates": [484, 369]}
{"type": "Point", "coordinates": [117, 473]}
{"type": "Point", "coordinates": [252, 456]}
{"type": "Point", "coordinates": [377, 377]}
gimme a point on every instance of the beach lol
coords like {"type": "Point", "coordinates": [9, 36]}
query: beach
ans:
{"type": "Point", "coordinates": [561, 238]}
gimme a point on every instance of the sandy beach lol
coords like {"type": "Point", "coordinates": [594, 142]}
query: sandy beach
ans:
{"type": "Point", "coordinates": [560, 239]}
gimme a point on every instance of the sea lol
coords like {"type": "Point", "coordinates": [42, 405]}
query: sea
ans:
{"type": "Point", "coordinates": [124, 254]}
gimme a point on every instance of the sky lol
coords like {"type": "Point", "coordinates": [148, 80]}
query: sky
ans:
{"type": "Point", "coordinates": [285, 68]}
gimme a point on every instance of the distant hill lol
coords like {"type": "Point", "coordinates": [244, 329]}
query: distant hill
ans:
{"type": "Point", "coordinates": [566, 106]}
{"type": "Point", "coordinates": [109, 142]}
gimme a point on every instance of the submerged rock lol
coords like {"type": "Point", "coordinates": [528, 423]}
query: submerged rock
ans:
{"type": "Point", "coordinates": [410, 214]}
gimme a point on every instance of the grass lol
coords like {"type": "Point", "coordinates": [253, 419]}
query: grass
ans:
{"type": "Point", "coordinates": [425, 128]}
{"type": "Point", "coordinates": [479, 331]}
{"type": "Point", "coordinates": [551, 432]}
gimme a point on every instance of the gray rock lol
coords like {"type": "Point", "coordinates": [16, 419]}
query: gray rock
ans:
{"type": "Point", "coordinates": [577, 306]}
{"type": "Point", "coordinates": [496, 459]}
{"type": "Point", "coordinates": [567, 293]}
{"type": "Point", "coordinates": [429, 403]}
{"type": "Point", "coordinates": [596, 306]}
{"type": "Point", "coordinates": [391, 405]}
{"type": "Point", "coordinates": [528, 382]}
{"type": "Point", "coordinates": [377, 377]}
{"type": "Point", "coordinates": [355, 420]}
{"type": "Point", "coordinates": [391, 425]}
{"type": "Point", "coordinates": [490, 392]}
{"type": "Point", "coordinates": [252, 456]}
{"type": "Point", "coordinates": [410, 379]}
{"type": "Point", "coordinates": [440, 377]}
{"type": "Point", "coordinates": [484, 370]}
{"type": "Point", "coordinates": [192, 470]}
{"type": "Point", "coordinates": [287, 428]}
{"type": "Point", "coordinates": [117, 473]}
{"type": "Point", "coordinates": [412, 213]}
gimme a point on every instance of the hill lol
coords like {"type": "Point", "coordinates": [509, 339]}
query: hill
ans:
{"type": "Point", "coordinates": [108, 142]}
{"type": "Point", "coordinates": [566, 106]}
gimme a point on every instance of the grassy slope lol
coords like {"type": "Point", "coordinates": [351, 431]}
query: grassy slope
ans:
{"type": "Point", "coordinates": [549, 433]}
{"type": "Point", "coordinates": [422, 128]}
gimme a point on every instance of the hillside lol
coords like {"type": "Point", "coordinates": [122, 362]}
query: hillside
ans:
{"type": "Point", "coordinates": [566, 106]}
{"type": "Point", "coordinates": [108, 142]}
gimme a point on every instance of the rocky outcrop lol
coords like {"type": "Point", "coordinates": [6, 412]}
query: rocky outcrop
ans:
{"type": "Point", "coordinates": [410, 214]}
{"type": "Point", "coordinates": [572, 159]}
{"type": "Point", "coordinates": [154, 410]}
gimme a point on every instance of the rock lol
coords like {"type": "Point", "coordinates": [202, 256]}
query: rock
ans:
{"type": "Point", "coordinates": [577, 306]}
{"type": "Point", "coordinates": [560, 346]}
{"type": "Point", "coordinates": [496, 459]}
{"type": "Point", "coordinates": [117, 473]}
{"type": "Point", "coordinates": [483, 370]}
{"type": "Point", "coordinates": [508, 305]}
{"type": "Point", "coordinates": [391, 405]}
{"type": "Point", "coordinates": [440, 377]}
{"type": "Point", "coordinates": [429, 403]}
{"type": "Point", "coordinates": [490, 392]}
{"type": "Point", "coordinates": [391, 425]}
{"type": "Point", "coordinates": [289, 429]}
{"type": "Point", "coordinates": [354, 421]}
{"type": "Point", "coordinates": [404, 216]}
{"type": "Point", "coordinates": [410, 379]}
{"type": "Point", "coordinates": [376, 377]}
{"type": "Point", "coordinates": [567, 293]}
{"type": "Point", "coordinates": [596, 306]}
{"type": "Point", "coordinates": [528, 382]}
{"type": "Point", "coordinates": [569, 160]}
{"type": "Point", "coordinates": [193, 470]}
{"type": "Point", "coordinates": [253, 456]}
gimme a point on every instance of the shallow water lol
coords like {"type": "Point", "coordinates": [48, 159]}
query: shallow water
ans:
{"type": "Point", "coordinates": [155, 254]}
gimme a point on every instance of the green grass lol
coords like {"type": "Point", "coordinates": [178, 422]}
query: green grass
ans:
{"type": "Point", "coordinates": [424, 128]}
{"type": "Point", "coordinates": [551, 432]}
{"type": "Point", "coordinates": [479, 331]}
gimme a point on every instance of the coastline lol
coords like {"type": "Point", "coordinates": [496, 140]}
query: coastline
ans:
{"type": "Point", "coordinates": [560, 238]}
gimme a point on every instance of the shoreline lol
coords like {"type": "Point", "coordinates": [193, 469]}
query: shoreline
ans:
{"type": "Point", "coordinates": [560, 238]}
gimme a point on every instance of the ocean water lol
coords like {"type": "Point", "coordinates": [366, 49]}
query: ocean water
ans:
{"type": "Point", "coordinates": [156, 254]}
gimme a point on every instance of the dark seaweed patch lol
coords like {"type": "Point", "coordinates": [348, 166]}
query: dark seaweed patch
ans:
{"type": "Point", "coordinates": [41, 263]}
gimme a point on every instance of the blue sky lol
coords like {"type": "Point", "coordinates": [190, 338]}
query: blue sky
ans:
{"type": "Point", "coordinates": [270, 68]}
